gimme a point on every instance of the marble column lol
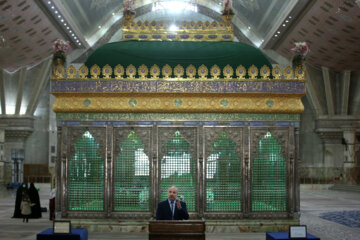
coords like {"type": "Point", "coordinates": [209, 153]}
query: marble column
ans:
{"type": "Point", "coordinates": [333, 155]}
{"type": "Point", "coordinates": [350, 170]}
{"type": "Point", "coordinates": [2, 156]}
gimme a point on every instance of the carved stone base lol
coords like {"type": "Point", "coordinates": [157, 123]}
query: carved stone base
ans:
{"type": "Point", "coordinates": [212, 226]}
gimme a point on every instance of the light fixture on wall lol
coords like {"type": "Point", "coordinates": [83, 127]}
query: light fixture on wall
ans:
{"type": "Point", "coordinates": [4, 45]}
{"type": "Point", "coordinates": [3, 42]}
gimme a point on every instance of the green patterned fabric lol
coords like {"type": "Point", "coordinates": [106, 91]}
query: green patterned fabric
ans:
{"type": "Point", "coordinates": [131, 176]}
{"type": "Point", "coordinates": [174, 53]}
{"type": "Point", "coordinates": [86, 176]}
{"type": "Point", "coordinates": [223, 176]}
{"type": "Point", "coordinates": [178, 169]}
{"type": "Point", "coordinates": [269, 176]}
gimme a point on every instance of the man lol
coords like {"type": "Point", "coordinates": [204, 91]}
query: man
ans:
{"type": "Point", "coordinates": [172, 208]}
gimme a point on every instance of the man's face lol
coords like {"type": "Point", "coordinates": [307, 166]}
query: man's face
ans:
{"type": "Point", "coordinates": [172, 193]}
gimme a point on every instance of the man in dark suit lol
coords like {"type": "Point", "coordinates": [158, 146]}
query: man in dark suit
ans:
{"type": "Point", "coordinates": [172, 208]}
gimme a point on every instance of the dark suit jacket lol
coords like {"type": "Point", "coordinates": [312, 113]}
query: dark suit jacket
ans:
{"type": "Point", "coordinates": [163, 211]}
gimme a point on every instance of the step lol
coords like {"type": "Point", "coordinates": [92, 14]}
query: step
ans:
{"type": "Point", "coordinates": [345, 187]}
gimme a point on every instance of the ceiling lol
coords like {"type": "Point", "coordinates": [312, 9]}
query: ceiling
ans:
{"type": "Point", "coordinates": [331, 27]}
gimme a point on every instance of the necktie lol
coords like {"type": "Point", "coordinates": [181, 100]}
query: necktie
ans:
{"type": "Point", "coordinates": [172, 209]}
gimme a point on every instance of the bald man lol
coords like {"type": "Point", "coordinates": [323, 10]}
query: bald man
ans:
{"type": "Point", "coordinates": [172, 208]}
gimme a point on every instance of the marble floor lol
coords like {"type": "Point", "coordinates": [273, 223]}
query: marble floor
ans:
{"type": "Point", "coordinates": [321, 210]}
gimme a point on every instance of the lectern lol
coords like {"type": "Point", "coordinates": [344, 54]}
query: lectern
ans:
{"type": "Point", "coordinates": [176, 230]}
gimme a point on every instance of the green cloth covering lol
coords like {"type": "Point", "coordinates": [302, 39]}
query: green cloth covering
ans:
{"type": "Point", "coordinates": [174, 53]}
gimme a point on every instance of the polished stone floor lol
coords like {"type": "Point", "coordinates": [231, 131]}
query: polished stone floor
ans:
{"type": "Point", "coordinates": [330, 215]}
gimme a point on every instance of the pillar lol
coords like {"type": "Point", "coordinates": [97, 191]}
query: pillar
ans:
{"type": "Point", "coordinates": [2, 156]}
{"type": "Point", "coordinates": [350, 171]}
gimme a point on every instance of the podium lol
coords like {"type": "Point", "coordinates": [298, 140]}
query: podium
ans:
{"type": "Point", "coordinates": [285, 235]}
{"type": "Point", "coordinates": [177, 230]}
{"type": "Point", "coordinates": [76, 234]}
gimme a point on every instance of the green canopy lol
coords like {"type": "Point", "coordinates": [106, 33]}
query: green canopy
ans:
{"type": "Point", "coordinates": [174, 53]}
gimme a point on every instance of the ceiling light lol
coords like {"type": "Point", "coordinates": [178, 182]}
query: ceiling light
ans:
{"type": "Point", "coordinates": [289, 16]}
{"type": "Point", "coordinates": [278, 32]}
{"type": "Point", "coordinates": [72, 34]}
{"type": "Point", "coordinates": [173, 28]}
{"type": "Point", "coordinates": [67, 27]}
{"type": "Point", "coordinates": [65, 24]}
{"type": "Point", "coordinates": [70, 31]}
{"type": "Point", "coordinates": [174, 6]}
{"type": "Point", "coordinates": [49, 2]}
{"type": "Point", "coordinates": [287, 21]}
{"type": "Point", "coordinates": [249, 27]}
{"type": "Point", "coordinates": [56, 12]}
{"type": "Point", "coordinates": [62, 20]}
{"type": "Point", "coordinates": [284, 25]}
{"type": "Point", "coordinates": [59, 16]}
{"type": "Point", "coordinates": [52, 7]}
{"type": "Point", "coordinates": [79, 44]}
{"type": "Point", "coordinates": [99, 27]}
{"type": "Point", "coordinates": [77, 40]}
{"type": "Point", "coordinates": [75, 37]}
{"type": "Point", "coordinates": [276, 35]}
{"type": "Point", "coordinates": [113, 14]}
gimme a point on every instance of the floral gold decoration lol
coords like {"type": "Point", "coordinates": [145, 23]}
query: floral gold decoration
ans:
{"type": "Point", "coordinates": [86, 102]}
{"type": "Point", "coordinates": [59, 72]}
{"type": "Point", "coordinates": [166, 71]}
{"type": "Point", "coordinates": [71, 72]}
{"type": "Point", "coordinates": [190, 74]}
{"type": "Point", "coordinates": [227, 18]}
{"type": "Point", "coordinates": [288, 72]}
{"type": "Point", "coordinates": [155, 72]}
{"type": "Point", "coordinates": [191, 71]}
{"type": "Point", "coordinates": [203, 71]}
{"type": "Point", "coordinates": [107, 71]}
{"type": "Point", "coordinates": [119, 71]}
{"type": "Point", "coordinates": [83, 72]}
{"type": "Point", "coordinates": [194, 91]}
{"type": "Point", "coordinates": [95, 71]}
{"type": "Point", "coordinates": [299, 72]}
{"type": "Point", "coordinates": [265, 72]}
{"type": "Point", "coordinates": [253, 72]}
{"type": "Point", "coordinates": [131, 71]}
{"type": "Point", "coordinates": [215, 72]}
{"type": "Point", "coordinates": [179, 71]}
{"type": "Point", "coordinates": [143, 71]}
{"type": "Point", "coordinates": [190, 103]}
{"type": "Point", "coordinates": [276, 72]}
{"type": "Point", "coordinates": [240, 72]}
{"type": "Point", "coordinates": [228, 72]}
